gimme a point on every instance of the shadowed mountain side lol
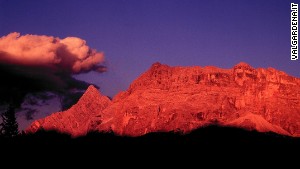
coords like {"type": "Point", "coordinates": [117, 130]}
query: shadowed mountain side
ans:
{"type": "Point", "coordinates": [210, 135]}
{"type": "Point", "coordinates": [225, 145]}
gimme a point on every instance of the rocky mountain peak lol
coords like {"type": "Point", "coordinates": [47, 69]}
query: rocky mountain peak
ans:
{"type": "Point", "coordinates": [79, 119]}
{"type": "Point", "coordinates": [92, 93]}
{"type": "Point", "coordinates": [166, 98]}
{"type": "Point", "coordinates": [243, 65]}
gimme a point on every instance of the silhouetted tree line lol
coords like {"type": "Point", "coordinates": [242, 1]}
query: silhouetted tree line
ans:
{"type": "Point", "coordinates": [9, 125]}
{"type": "Point", "coordinates": [210, 135]}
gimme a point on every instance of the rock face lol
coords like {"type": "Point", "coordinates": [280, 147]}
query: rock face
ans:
{"type": "Point", "coordinates": [185, 98]}
{"type": "Point", "coordinates": [77, 120]}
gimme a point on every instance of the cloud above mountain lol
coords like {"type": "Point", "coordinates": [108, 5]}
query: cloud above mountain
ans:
{"type": "Point", "coordinates": [34, 64]}
{"type": "Point", "coordinates": [70, 54]}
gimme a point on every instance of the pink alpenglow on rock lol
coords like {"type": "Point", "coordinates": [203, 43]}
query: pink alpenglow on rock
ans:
{"type": "Point", "coordinates": [182, 99]}
{"type": "Point", "coordinates": [77, 120]}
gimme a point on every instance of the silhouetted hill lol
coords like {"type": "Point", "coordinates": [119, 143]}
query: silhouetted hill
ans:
{"type": "Point", "coordinates": [199, 147]}
{"type": "Point", "coordinates": [207, 136]}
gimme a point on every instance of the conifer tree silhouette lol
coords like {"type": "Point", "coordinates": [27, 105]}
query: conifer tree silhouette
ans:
{"type": "Point", "coordinates": [9, 125]}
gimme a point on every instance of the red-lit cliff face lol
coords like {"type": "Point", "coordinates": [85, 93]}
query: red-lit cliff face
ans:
{"type": "Point", "coordinates": [185, 98]}
{"type": "Point", "coordinates": [77, 120]}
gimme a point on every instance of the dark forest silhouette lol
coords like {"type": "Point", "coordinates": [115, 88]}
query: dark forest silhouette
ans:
{"type": "Point", "coordinates": [209, 135]}
{"type": "Point", "coordinates": [9, 125]}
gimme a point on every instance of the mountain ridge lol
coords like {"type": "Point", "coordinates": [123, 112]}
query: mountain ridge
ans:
{"type": "Point", "coordinates": [166, 98]}
{"type": "Point", "coordinates": [78, 119]}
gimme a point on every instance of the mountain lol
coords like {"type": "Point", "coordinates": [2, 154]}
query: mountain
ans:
{"type": "Point", "coordinates": [77, 120]}
{"type": "Point", "coordinates": [182, 99]}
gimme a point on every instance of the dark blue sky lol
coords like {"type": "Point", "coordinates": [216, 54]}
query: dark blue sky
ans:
{"type": "Point", "coordinates": [135, 33]}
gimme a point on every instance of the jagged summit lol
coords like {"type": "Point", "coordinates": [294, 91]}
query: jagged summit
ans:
{"type": "Point", "coordinates": [243, 65]}
{"type": "Point", "coordinates": [79, 118]}
{"type": "Point", "coordinates": [166, 98]}
{"type": "Point", "coordinates": [91, 91]}
{"type": "Point", "coordinates": [156, 64]}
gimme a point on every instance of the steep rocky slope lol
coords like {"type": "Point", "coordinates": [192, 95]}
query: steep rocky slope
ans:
{"type": "Point", "coordinates": [77, 120]}
{"type": "Point", "coordinates": [168, 98]}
